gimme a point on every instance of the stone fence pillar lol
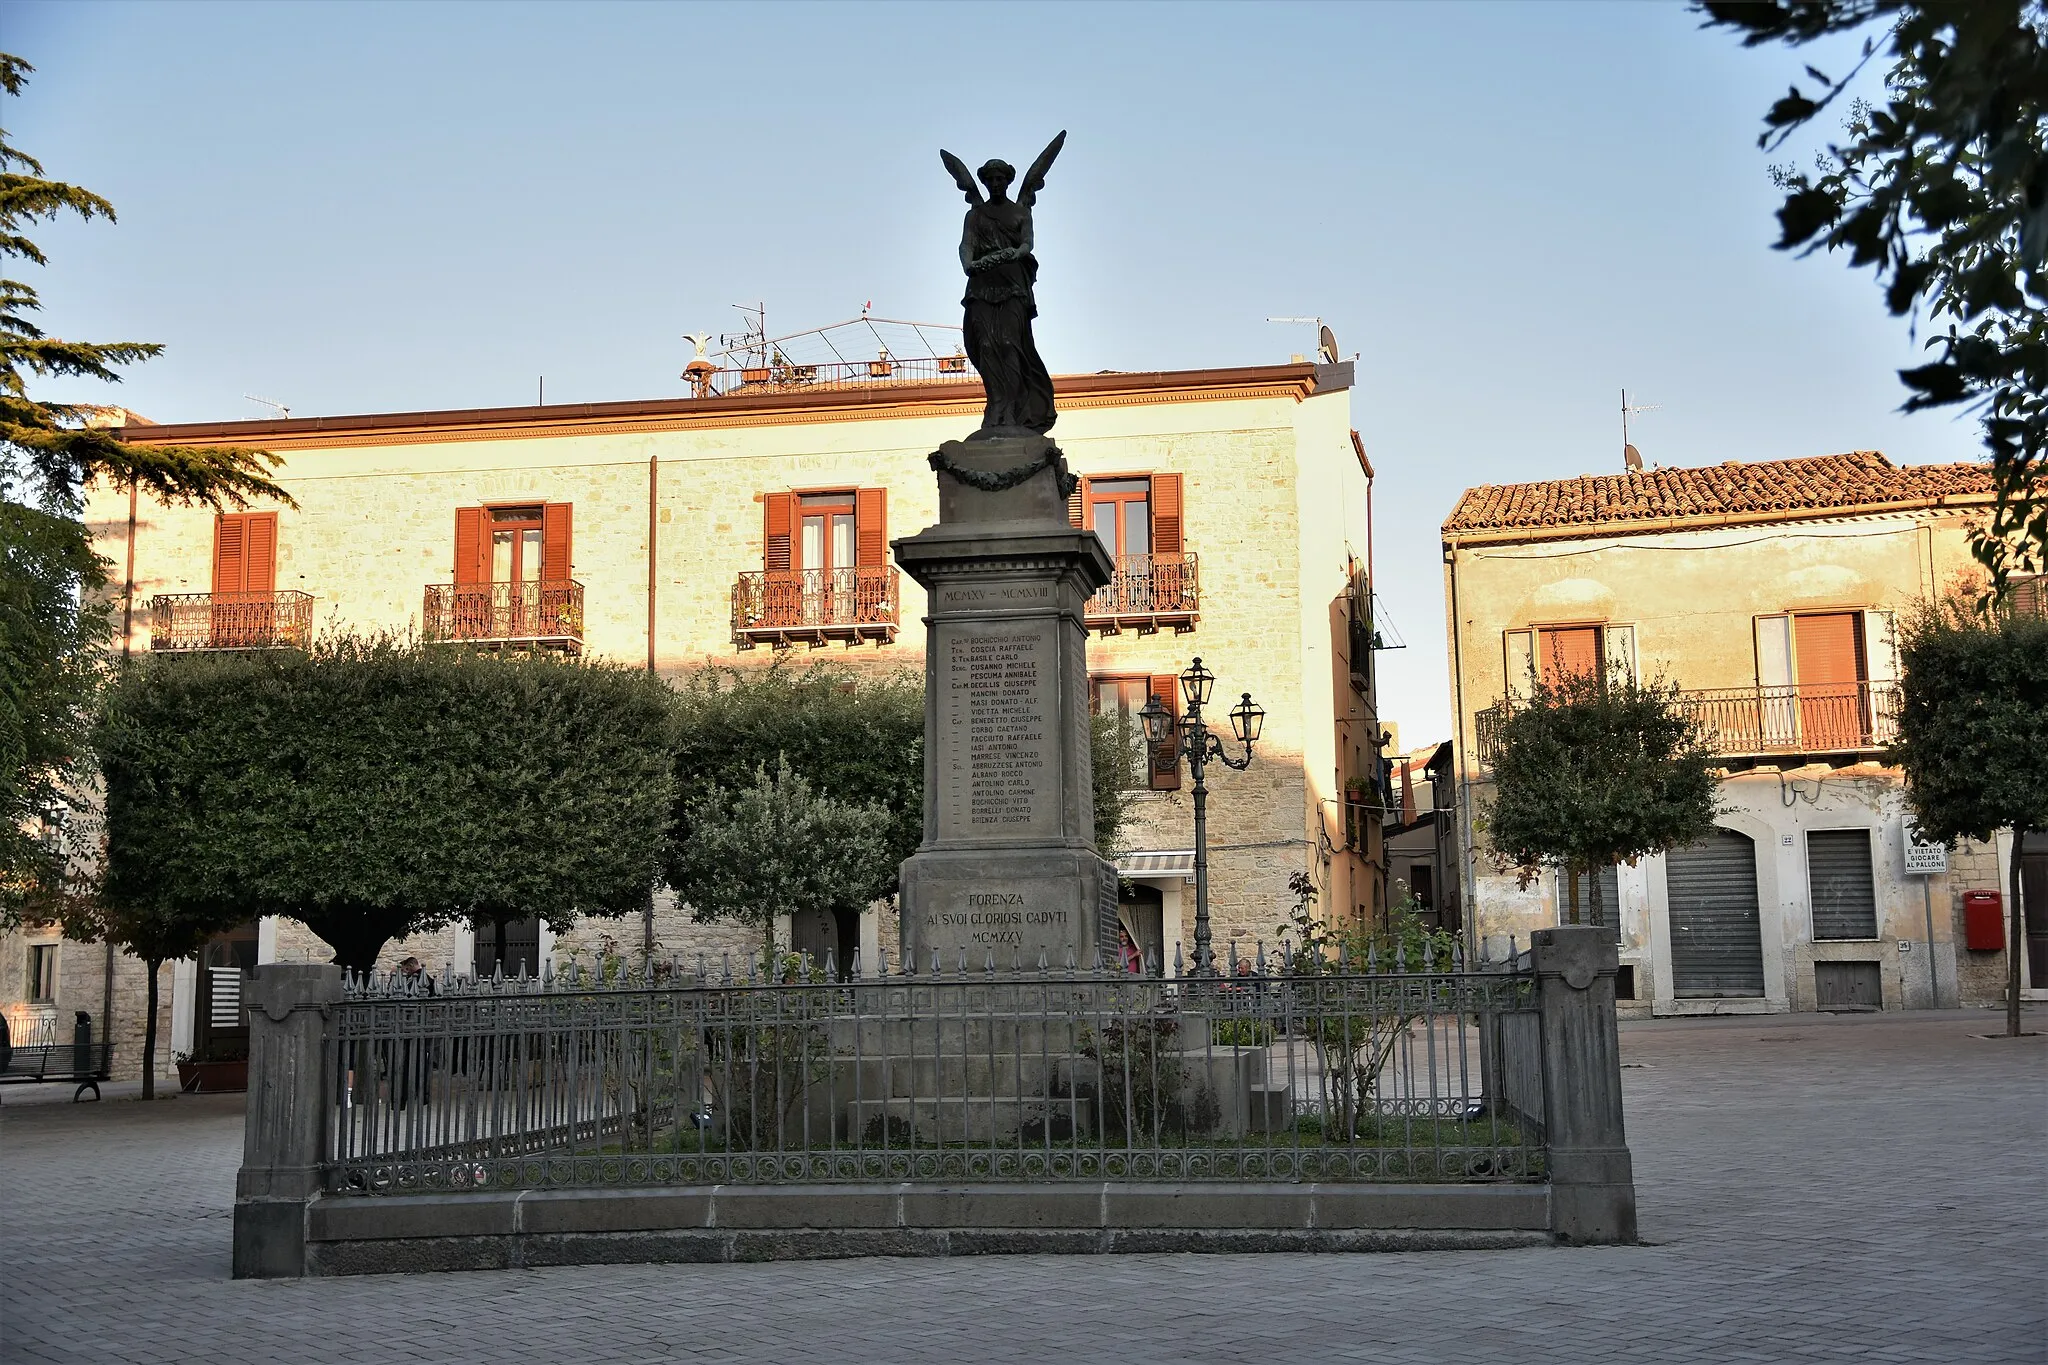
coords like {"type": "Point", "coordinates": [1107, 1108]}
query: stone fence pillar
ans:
{"type": "Point", "coordinates": [1592, 1182]}
{"type": "Point", "coordinates": [289, 1101]}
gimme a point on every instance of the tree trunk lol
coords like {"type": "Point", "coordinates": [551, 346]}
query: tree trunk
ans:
{"type": "Point", "coordinates": [498, 938]}
{"type": "Point", "coordinates": [768, 945]}
{"type": "Point", "coordinates": [2013, 939]}
{"type": "Point", "coordinates": [149, 1032]}
{"type": "Point", "coordinates": [1571, 891]}
{"type": "Point", "coordinates": [1593, 871]}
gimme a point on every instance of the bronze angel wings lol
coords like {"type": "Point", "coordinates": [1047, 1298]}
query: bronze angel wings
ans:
{"type": "Point", "coordinates": [1034, 179]}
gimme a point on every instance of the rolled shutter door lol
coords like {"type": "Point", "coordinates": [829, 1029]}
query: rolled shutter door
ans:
{"type": "Point", "coordinates": [1716, 929]}
{"type": "Point", "coordinates": [1838, 877]}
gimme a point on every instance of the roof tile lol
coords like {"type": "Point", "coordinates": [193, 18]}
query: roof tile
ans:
{"type": "Point", "coordinates": [1818, 483]}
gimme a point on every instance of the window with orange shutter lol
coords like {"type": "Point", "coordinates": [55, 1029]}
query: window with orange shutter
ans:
{"type": "Point", "coordinates": [1568, 651]}
{"type": "Point", "coordinates": [244, 606]}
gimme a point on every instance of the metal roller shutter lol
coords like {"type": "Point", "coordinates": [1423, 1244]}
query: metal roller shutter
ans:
{"type": "Point", "coordinates": [1838, 877]}
{"type": "Point", "coordinates": [1716, 932]}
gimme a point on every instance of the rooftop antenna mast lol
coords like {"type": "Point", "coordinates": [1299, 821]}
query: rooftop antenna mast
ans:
{"type": "Point", "coordinates": [1631, 458]}
{"type": "Point", "coordinates": [280, 409]}
{"type": "Point", "coordinates": [753, 342]}
{"type": "Point", "coordinates": [1326, 340]}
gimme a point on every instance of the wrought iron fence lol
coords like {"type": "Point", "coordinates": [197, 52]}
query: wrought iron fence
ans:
{"type": "Point", "coordinates": [547, 612]}
{"type": "Point", "coordinates": [1744, 721]}
{"type": "Point", "coordinates": [207, 620]}
{"type": "Point", "coordinates": [788, 606]}
{"type": "Point", "coordinates": [1156, 586]}
{"type": "Point", "coordinates": [671, 1075]}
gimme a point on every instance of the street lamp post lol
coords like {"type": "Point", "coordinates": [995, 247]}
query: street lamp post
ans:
{"type": "Point", "coordinates": [1197, 743]}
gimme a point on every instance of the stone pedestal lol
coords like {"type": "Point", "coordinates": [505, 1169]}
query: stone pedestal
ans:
{"type": "Point", "coordinates": [1008, 869]}
{"type": "Point", "coordinates": [285, 1124]}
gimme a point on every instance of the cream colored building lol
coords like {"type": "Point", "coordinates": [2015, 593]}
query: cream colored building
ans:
{"type": "Point", "coordinates": [751, 522]}
{"type": "Point", "coordinates": [1768, 592]}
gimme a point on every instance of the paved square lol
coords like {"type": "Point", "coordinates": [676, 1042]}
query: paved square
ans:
{"type": "Point", "coordinates": [1812, 1188]}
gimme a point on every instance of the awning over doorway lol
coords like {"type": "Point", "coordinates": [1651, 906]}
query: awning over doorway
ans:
{"type": "Point", "coordinates": [1178, 862]}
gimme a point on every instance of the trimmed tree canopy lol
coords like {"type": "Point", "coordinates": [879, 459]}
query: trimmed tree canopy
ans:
{"type": "Point", "coordinates": [1973, 736]}
{"type": "Point", "coordinates": [1593, 771]}
{"type": "Point", "coordinates": [374, 790]}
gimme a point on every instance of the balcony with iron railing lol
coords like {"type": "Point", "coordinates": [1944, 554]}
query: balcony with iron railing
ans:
{"type": "Point", "coordinates": [1764, 722]}
{"type": "Point", "coordinates": [1146, 594]}
{"type": "Point", "coordinates": [546, 614]}
{"type": "Point", "coordinates": [189, 622]}
{"type": "Point", "coordinates": [815, 607]}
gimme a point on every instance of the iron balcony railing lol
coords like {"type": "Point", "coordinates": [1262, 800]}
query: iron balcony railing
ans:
{"type": "Point", "coordinates": [191, 621]}
{"type": "Point", "coordinates": [664, 1074]}
{"type": "Point", "coordinates": [546, 614]}
{"type": "Point", "coordinates": [1148, 592]}
{"type": "Point", "coordinates": [1754, 722]}
{"type": "Point", "coordinates": [781, 607]}
{"type": "Point", "coordinates": [842, 375]}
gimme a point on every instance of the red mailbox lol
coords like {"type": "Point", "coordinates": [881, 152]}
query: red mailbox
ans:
{"type": "Point", "coordinates": [1983, 921]}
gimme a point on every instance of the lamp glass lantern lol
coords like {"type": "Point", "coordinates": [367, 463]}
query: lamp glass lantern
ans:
{"type": "Point", "coordinates": [1246, 720]}
{"type": "Point", "coordinates": [1196, 684]}
{"type": "Point", "coordinates": [1157, 720]}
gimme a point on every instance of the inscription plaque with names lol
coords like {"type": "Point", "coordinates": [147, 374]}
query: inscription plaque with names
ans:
{"type": "Point", "coordinates": [998, 747]}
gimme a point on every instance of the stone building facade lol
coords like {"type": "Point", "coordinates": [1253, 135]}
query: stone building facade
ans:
{"type": "Point", "coordinates": [733, 528]}
{"type": "Point", "coordinates": [1768, 592]}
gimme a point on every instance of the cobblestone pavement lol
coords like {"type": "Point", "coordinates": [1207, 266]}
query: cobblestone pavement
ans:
{"type": "Point", "coordinates": [1812, 1189]}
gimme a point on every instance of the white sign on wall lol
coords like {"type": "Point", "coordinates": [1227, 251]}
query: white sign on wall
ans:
{"type": "Point", "coordinates": [1922, 859]}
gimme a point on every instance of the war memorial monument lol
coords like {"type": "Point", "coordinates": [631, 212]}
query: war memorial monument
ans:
{"type": "Point", "coordinates": [1008, 874]}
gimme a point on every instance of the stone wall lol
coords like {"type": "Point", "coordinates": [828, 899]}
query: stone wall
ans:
{"type": "Point", "coordinates": [1274, 507]}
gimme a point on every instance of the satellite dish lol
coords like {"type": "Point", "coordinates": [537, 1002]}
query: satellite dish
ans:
{"type": "Point", "coordinates": [1326, 346]}
{"type": "Point", "coordinates": [1631, 457]}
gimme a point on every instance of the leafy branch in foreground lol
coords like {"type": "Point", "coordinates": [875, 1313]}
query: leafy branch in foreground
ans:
{"type": "Point", "coordinates": [1942, 190]}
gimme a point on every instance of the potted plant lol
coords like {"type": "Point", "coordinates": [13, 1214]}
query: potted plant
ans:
{"type": "Point", "coordinates": [223, 1068]}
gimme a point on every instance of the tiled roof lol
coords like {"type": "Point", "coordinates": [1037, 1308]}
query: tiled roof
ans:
{"type": "Point", "coordinates": [1770, 489]}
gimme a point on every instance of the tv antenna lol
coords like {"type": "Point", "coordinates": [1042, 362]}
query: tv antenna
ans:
{"type": "Point", "coordinates": [1326, 340]}
{"type": "Point", "coordinates": [1631, 458]}
{"type": "Point", "coordinates": [280, 409]}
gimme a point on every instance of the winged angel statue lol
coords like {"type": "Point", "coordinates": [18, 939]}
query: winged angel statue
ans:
{"type": "Point", "coordinates": [995, 251]}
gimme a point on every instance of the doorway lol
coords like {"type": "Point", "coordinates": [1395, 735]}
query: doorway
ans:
{"type": "Point", "coordinates": [1141, 910]}
{"type": "Point", "coordinates": [510, 945]}
{"type": "Point", "coordinates": [1716, 926]}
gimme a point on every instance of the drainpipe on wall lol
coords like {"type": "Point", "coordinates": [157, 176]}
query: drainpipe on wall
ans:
{"type": "Point", "coordinates": [1468, 888]}
{"type": "Point", "coordinates": [653, 530]}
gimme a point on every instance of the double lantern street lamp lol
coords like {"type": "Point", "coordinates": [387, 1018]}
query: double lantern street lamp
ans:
{"type": "Point", "coordinates": [1193, 740]}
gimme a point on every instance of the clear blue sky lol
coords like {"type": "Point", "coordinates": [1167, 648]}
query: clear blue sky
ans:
{"type": "Point", "coordinates": [1510, 212]}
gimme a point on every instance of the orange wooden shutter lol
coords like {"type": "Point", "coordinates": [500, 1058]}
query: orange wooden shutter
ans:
{"type": "Point", "coordinates": [1077, 504]}
{"type": "Point", "coordinates": [1166, 528]}
{"type": "Point", "coordinates": [230, 553]}
{"type": "Point", "coordinates": [259, 565]}
{"type": "Point", "coordinates": [1826, 648]}
{"type": "Point", "coordinates": [1572, 652]}
{"type": "Point", "coordinates": [472, 546]}
{"type": "Point", "coordinates": [1165, 758]}
{"type": "Point", "coordinates": [556, 524]}
{"type": "Point", "coordinates": [778, 510]}
{"type": "Point", "coordinates": [871, 528]}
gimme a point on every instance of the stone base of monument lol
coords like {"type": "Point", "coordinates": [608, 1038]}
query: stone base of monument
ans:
{"type": "Point", "coordinates": [711, 1223]}
{"type": "Point", "coordinates": [1008, 873]}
